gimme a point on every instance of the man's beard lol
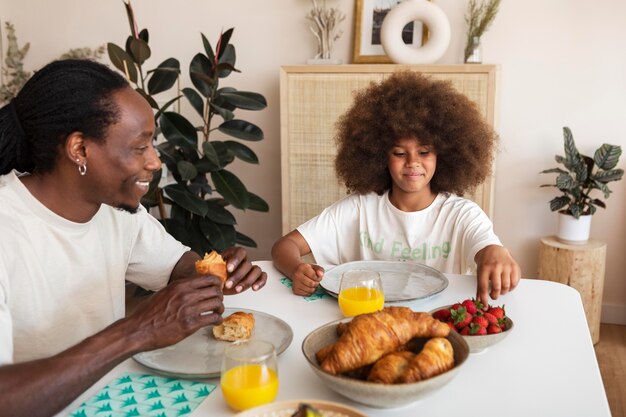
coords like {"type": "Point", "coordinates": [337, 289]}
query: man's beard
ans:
{"type": "Point", "coordinates": [128, 209]}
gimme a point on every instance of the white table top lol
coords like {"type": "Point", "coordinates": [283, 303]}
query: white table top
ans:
{"type": "Point", "coordinates": [545, 367]}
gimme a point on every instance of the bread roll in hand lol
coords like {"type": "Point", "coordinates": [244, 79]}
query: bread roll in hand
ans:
{"type": "Point", "coordinates": [212, 264]}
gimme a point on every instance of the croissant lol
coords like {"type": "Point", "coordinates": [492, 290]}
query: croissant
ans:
{"type": "Point", "coordinates": [370, 336]}
{"type": "Point", "coordinates": [212, 264]}
{"type": "Point", "coordinates": [237, 326]}
{"type": "Point", "coordinates": [390, 367]}
{"type": "Point", "coordinates": [436, 358]}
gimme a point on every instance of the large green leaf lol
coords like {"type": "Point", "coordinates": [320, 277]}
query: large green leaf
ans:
{"type": "Point", "coordinates": [608, 176]}
{"type": "Point", "coordinates": [242, 152]}
{"type": "Point", "coordinates": [226, 62]}
{"type": "Point", "coordinates": [176, 229]}
{"type": "Point", "coordinates": [165, 107]}
{"type": "Point", "coordinates": [200, 70]}
{"type": "Point", "coordinates": [244, 240]}
{"type": "Point", "coordinates": [607, 156]}
{"type": "Point", "coordinates": [225, 113]}
{"type": "Point", "coordinates": [231, 188]}
{"type": "Point", "coordinates": [187, 200]}
{"type": "Point", "coordinates": [223, 154]}
{"type": "Point", "coordinates": [257, 203]}
{"type": "Point", "coordinates": [168, 153]}
{"type": "Point", "coordinates": [148, 98]}
{"type": "Point", "coordinates": [195, 100]}
{"type": "Point", "coordinates": [217, 213]}
{"type": "Point", "coordinates": [164, 76]}
{"type": "Point", "coordinates": [187, 170]}
{"type": "Point", "coordinates": [178, 130]}
{"type": "Point", "coordinates": [139, 50]}
{"type": "Point", "coordinates": [122, 61]}
{"type": "Point", "coordinates": [221, 236]}
{"type": "Point", "coordinates": [245, 100]}
{"type": "Point", "coordinates": [571, 153]}
{"type": "Point", "coordinates": [200, 185]}
{"type": "Point", "coordinates": [207, 48]}
{"type": "Point", "coordinates": [224, 41]}
{"type": "Point", "coordinates": [558, 203]}
{"type": "Point", "coordinates": [241, 129]}
{"type": "Point", "coordinates": [151, 198]}
{"type": "Point", "coordinates": [210, 154]}
{"type": "Point", "coordinates": [565, 182]}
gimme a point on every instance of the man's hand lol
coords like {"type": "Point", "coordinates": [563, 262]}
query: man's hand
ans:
{"type": "Point", "coordinates": [178, 310]}
{"type": "Point", "coordinates": [497, 273]}
{"type": "Point", "coordinates": [306, 278]}
{"type": "Point", "coordinates": [241, 273]}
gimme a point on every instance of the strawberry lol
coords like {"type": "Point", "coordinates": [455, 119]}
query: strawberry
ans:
{"type": "Point", "coordinates": [470, 306]}
{"type": "Point", "coordinates": [498, 312]}
{"type": "Point", "coordinates": [461, 317]}
{"type": "Point", "coordinates": [493, 329]}
{"type": "Point", "coordinates": [451, 325]}
{"type": "Point", "coordinates": [443, 314]}
{"type": "Point", "coordinates": [490, 318]}
{"type": "Point", "coordinates": [481, 331]}
{"type": "Point", "coordinates": [465, 331]}
{"type": "Point", "coordinates": [480, 321]}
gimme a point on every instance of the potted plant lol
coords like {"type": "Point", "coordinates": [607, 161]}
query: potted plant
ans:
{"type": "Point", "coordinates": [198, 213]}
{"type": "Point", "coordinates": [580, 175]}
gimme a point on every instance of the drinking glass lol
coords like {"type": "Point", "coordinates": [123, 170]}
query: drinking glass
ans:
{"type": "Point", "coordinates": [360, 291]}
{"type": "Point", "coordinates": [249, 374]}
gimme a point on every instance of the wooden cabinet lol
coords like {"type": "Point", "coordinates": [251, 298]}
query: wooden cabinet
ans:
{"type": "Point", "coordinates": [313, 97]}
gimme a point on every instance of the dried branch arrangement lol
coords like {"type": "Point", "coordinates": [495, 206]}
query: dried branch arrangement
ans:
{"type": "Point", "coordinates": [480, 15]}
{"type": "Point", "coordinates": [325, 29]}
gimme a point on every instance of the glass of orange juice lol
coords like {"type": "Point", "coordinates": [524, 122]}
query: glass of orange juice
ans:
{"type": "Point", "coordinates": [360, 291]}
{"type": "Point", "coordinates": [249, 374]}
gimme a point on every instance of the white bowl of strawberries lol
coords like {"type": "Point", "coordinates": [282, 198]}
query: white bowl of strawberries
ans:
{"type": "Point", "coordinates": [479, 327]}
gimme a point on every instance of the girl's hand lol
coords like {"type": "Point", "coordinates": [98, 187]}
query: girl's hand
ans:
{"type": "Point", "coordinates": [497, 273]}
{"type": "Point", "coordinates": [306, 278]}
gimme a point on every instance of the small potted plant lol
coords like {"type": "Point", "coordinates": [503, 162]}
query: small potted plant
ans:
{"type": "Point", "coordinates": [579, 176]}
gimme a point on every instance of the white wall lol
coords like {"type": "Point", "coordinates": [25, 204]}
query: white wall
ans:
{"type": "Point", "coordinates": [562, 64]}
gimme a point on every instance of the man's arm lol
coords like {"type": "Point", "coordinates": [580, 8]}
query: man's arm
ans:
{"type": "Point", "coordinates": [44, 387]}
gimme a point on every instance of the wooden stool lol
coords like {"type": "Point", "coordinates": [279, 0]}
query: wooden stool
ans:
{"type": "Point", "coordinates": [581, 267]}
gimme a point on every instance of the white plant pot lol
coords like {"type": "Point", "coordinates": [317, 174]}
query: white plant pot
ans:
{"type": "Point", "coordinates": [573, 231]}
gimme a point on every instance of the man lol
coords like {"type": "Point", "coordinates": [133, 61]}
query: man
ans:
{"type": "Point", "coordinates": [73, 230]}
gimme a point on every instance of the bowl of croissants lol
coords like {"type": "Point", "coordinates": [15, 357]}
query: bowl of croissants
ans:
{"type": "Point", "coordinates": [386, 359]}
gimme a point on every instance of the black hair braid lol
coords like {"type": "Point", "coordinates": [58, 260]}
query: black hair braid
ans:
{"type": "Point", "coordinates": [64, 96]}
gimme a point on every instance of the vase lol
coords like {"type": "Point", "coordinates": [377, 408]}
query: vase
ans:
{"type": "Point", "coordinates": [573, 231]}
{"type": "Point", "coordinates": [475, 52]}
{"type": "Point", "coordinates": [408, 11]}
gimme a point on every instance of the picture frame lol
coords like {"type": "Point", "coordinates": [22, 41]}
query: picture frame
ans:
{"type": "Point", "coordinates": [368, 19]}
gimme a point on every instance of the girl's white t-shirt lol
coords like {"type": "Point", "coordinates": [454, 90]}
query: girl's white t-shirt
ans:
{"type": "Point", "coordinates": [446, 235]}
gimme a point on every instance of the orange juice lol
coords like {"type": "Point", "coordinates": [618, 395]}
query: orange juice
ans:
{"type": "Point", "coordinates": [247, 386]}
{"type": "Point", "coordinates": [359, 300]}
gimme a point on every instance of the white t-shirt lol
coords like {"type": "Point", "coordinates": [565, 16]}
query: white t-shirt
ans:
{"type": "Point", "coordinates": [446, 235]}
{"type": "Point", "coordinates": [61, 281]}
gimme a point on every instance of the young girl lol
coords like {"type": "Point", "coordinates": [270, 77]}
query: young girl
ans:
{"type": "Point", "coordinates": [407, 149]}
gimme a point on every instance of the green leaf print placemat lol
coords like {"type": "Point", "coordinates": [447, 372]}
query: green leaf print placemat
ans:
{"type": "Point", "coordinates": [145, 395]}
{"type": "Point", "coordinates": [317, 295]}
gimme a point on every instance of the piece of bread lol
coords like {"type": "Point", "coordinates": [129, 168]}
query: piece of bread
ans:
{"type": "Point", "coordinates": [212, 264]}
{"type": "Point", "coordinates": [237, 326]}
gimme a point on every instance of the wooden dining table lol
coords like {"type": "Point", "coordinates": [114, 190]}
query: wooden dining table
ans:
{"type": "Point", "coordinates": [545, 367]}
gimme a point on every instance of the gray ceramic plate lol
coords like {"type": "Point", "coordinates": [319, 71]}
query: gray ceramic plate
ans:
{"type": "Point", "coordinates": [200, 355]}
{"type": "Point", "coordinates": [402, 281]}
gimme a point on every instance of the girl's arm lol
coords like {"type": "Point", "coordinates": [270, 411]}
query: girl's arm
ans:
{"type": "Point", "coordinates": [287, 253]}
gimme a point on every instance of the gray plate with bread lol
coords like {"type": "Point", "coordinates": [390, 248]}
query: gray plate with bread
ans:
{"type": "Point", "coordinates": [200, 355]}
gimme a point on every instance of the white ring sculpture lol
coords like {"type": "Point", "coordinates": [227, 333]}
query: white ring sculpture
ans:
{"type": "Point", "coordinates": [408, 11]}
